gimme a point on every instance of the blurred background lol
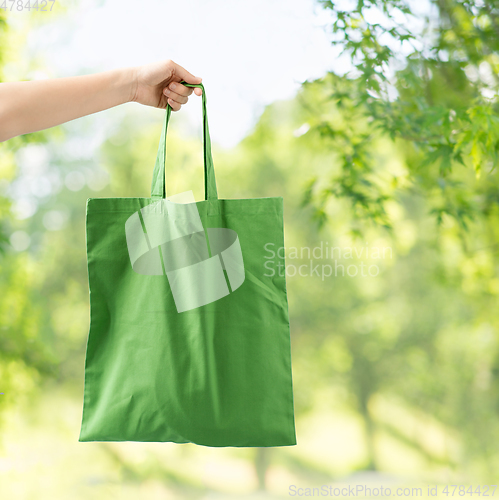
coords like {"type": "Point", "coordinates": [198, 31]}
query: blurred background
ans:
{"type": "Point", "coordinates": [377, 122]}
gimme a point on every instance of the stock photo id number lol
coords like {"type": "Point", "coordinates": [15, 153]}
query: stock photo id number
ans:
{"type": "Point", "coordinates": [20, 5]}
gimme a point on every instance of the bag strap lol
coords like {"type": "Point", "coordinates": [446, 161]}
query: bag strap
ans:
{"type": "Point", "coordinates": [158, 187]}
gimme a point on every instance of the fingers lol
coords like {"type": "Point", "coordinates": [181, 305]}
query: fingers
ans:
{"type": "Point", "coordinates": [177, 94]}
{"type": "Point", "coordinates": [175, 105]}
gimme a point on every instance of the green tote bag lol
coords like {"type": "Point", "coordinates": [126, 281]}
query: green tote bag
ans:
{"type": "Point", "coordinates": [189, 337]}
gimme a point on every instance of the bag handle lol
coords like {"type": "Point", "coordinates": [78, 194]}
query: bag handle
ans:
{"type": "Point", "coordinates": [158, 187]}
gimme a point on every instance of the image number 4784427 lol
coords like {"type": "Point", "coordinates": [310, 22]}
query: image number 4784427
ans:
{"type": "Point", "coordinates": [27, 5]}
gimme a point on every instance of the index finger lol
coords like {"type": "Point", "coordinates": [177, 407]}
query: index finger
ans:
{"type": "Point", "coordinates": [180, 89]}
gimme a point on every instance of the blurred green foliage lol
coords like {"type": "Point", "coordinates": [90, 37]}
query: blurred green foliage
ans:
{"type": "Point", "coordinates": [423, 333]}
{"type": "Point", "coordinates": [426, 76]}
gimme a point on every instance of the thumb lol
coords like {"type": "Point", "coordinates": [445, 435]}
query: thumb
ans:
{"type": "Point", "coordinates": [185, 75]}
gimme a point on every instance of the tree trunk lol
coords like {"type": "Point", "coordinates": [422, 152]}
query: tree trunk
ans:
{"type": "Point", "coordinates": [261, 465]}
{"type": "Point", "coordinates": [369, 427]}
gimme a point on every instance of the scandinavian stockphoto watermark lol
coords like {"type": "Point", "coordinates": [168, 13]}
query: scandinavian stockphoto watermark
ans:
{"type": "Point", "coordinates": [167, 238]}
{"type": "Point", "coordinates": [324, 261]}
{"type": "Point", "coordinates": [371, 491]}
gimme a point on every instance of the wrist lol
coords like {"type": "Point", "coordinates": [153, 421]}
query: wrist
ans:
{"type": "Point", "coordinates": [132, 84]}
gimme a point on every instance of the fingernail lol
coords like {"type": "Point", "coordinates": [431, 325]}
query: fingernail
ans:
{"type": "Point", "coordinates": [167, 92]}
{"type": "Point", "coordinates": [173, 86]}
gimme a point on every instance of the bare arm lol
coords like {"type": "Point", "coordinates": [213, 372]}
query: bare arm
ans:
{"type": "Point", "coordinates": [36, 105]}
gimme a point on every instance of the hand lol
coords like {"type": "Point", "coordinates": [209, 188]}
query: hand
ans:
{"type": "Point", "coordinates": [158, 84]}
